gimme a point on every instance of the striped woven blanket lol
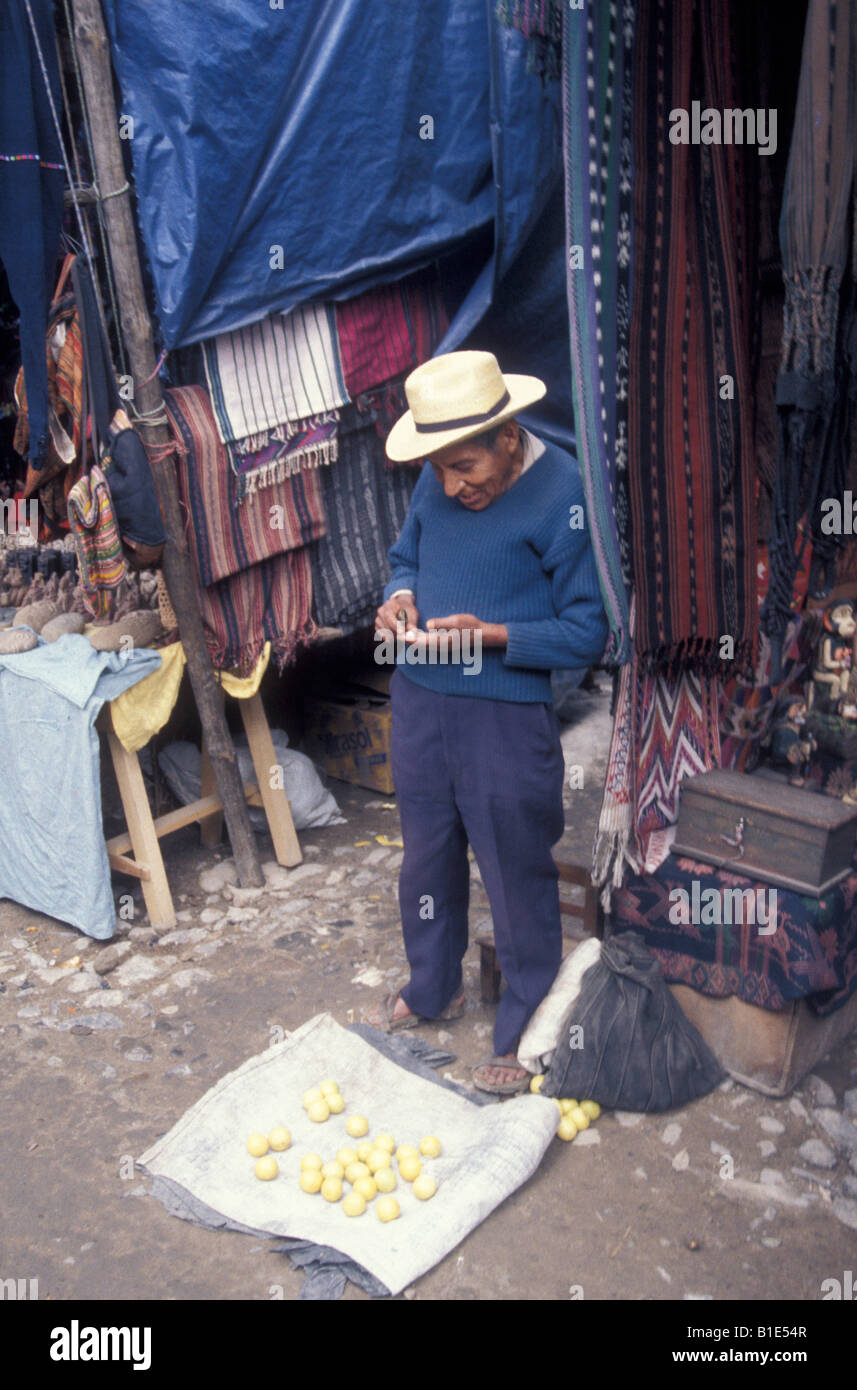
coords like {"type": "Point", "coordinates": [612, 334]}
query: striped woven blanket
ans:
{"type": "Point", "coordinates": [366, 503]}
{"type": "Point", "coordinates": [389, 330]}
{"type": "Point", "coordinates": [233, 535]}
{"type": "Point", "coordinates": [270, 600]}
{"type": "Point", "coordinates": [275, 377]}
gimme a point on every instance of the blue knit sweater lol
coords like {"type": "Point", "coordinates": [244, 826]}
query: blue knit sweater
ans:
{"type": "Point", "coordinates": [520, 561]}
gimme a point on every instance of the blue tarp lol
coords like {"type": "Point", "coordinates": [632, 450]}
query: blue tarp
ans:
{"type": "Point", "coordinates": [303, 127]}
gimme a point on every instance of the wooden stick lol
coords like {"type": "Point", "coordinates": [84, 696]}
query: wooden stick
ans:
{"type": "Point", "coordinates": [94, 55]}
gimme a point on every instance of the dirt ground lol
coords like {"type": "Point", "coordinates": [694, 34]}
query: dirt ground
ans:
{"type": "Point", "coordinates": [98, 1064]}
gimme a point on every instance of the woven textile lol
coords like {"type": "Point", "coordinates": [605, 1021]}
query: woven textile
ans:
{"type": "Point", "coordinates": [270, 601]}
{"type": "Point", "coordinates": [231, 536]}
{"type": "Point", "coordinates": [817, 384]}
{"type": "Point", "coordinates": [312, 445]}
{"type": "Point", "coordinates": [389, 330]}
{"type": "Point", "coordinates": [96, 538]}
{"type": "Point", "coordinates": [665, 729]}
{"type": "Point", "coordinates": [596, 49]}
{"type": "Point", "coordinates": [812, 954]}
{"type": "Point", "coordinates": [690, 426]}
{"type": "Point", "coordinates": [276, 376]}
{"type": "Point", "coordinates": [365, 503]}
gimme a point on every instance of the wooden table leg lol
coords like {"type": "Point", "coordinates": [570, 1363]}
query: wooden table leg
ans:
{"type": "Point", "coordinates": [141, 829]}
{"type": "Point", "coordinates": [277, 809]}
{"type": "Point", "coordinates": [210, 829]}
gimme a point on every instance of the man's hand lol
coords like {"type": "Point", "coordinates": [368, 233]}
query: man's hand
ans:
{"type": "Point", "coordinates": [492, 634]}
{"type": "Point", "coordinates": [386, 620]}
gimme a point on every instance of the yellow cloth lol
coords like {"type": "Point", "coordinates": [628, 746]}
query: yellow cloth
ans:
{"type": "Point", "coordinates": [140, 712]}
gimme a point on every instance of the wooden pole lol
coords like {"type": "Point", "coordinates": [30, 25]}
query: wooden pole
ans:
{"type": "Point", "coordinates": [96, 71]}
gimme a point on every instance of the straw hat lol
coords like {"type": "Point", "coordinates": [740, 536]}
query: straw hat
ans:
{"type": "Point", "coordinates": [454, 397]}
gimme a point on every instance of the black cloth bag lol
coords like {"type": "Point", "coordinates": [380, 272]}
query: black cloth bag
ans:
{"type": "Point", "coordinates": [123, 458]}
{"type": "Point", "coordinates": [636, 1049]}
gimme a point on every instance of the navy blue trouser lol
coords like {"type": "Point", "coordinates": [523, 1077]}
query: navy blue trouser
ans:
{"type": "Point", "coordinates": [489, 772]}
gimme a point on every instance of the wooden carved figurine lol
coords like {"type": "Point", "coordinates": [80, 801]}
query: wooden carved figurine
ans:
{"type": "Point", "coordinates": [829, 692]}
{"type": "Point", "coordinates": [791, 745]}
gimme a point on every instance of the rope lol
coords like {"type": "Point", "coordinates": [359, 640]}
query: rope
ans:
{"type": "Point", "coordinates": [102, 197]}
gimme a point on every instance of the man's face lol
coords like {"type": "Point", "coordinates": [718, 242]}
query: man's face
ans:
{"type": "Point", "coordinates": [476, 476]}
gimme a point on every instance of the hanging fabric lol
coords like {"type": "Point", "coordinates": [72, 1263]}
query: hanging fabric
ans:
{"type": "Point", "coordinates": [389, 330]}
{"type": "Point", "coordinates": [276, 377]}
{"type": "Point", "coordinates": [270, 600]}
{"type": "Point", "coordinates": [231, 537]}
{"type": "Point", "coordinates": [691, 464]}
{"type": "Point", "coordinates": [597, 52]}
{"type": "Point", "coordinates": [816, 386]}
{"type": "Point", "coordinates": [31, 193]}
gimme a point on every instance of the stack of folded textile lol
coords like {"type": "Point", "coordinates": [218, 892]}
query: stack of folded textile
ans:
{"type": "Point", "coordinates": [280, 543]}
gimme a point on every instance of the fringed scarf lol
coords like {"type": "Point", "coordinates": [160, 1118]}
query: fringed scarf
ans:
{"type": "Point", "coordinates": [233, 535]}
{"type": "Point", "coordinates": [690, 429]}
{"type": "Point", "coordinates": [270, 600]}
{"type": "Point", "coordinates": [665, 729]}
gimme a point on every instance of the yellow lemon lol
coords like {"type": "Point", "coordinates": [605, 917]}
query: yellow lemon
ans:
{"type": "Point", "coordinates": [566, 1106]}
{"type": "Point", "coordinates": [331, 1189]}
{"type": "Point", "coordinates": [591, 1108]}
{"type": "Point", "coordinates": [388, 1209]}
{"type": "Point", "coordinates": [311, 1180]}
{"type": "Point", "coordinates": [267, 1168]}
{"type": "Point", "coordinates": [311, 1096]}
{"type": "Point", "coordinates": [410, 1168]}
{"type": "Point", "coordinates": [385, 1180]}
{"type": "Point", "coordinates": [579, 1117]}
{"type": "Point", "coordinates": [357, 1170]}
{"type": "Point", "coordinates": [430, 1146]}
{"type": "Point", "coordinates": [424, 1187]}
{"type": "Point", "coordinates": [319, 1111]}
{"type": "Point", "coordinates": [536, 1083]}
{"type": "Point", "coordinates": [257, 1145]}
{"type": "Point", "coordinates": [385, 1141]}
{"type": "Point", "coordinates": [354, 1204]}
{"type": "Point", "coordinates": [311, 1161]}
{"type": "Point", "coordinates": [334, 1169]}
{"type": "Point", "coordinates": [346, 1156]}
{"type": "Point", "coordinates": [280, 1139]}
{"type": "Point", "coordinates": [364, 1150]}
{"type": "Point", "coordinates": [335, 1103]}
{"type": "Point", "coordinates": [329, 1088]}
{"type": "Point", "coordinates": [357, 1126]}
{"type": "Point", "coordinates": [367, 1187]}
{"type": "Point", "coordinates": [378, 1158]}
{"type": "Point", "coordinates": [406, 1151]}
{"type": "Point", "coordinates": [567, 1129]}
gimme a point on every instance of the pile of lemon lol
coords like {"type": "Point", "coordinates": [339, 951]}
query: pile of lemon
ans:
{"type": "Point", "coordinates": [574, 1115]}
{"type": "Point", "coordinates": [322, 1101]}
{"type": "Point", "coordinates": [369, 1170]}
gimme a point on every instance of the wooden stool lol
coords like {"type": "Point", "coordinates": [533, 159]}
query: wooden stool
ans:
{"type": "Point", "coordinates": [144, 831]}
{"type": "Point", "coordinates": [490, 975]}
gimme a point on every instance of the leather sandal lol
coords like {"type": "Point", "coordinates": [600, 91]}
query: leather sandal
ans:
{"type": "Point", "coordinates": [500, 1088]}
{"type": "Point", "coordinates": [382, 1016]}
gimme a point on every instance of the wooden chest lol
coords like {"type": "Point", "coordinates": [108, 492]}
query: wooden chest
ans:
{"type": "Point", "coordinates": [766, 830]}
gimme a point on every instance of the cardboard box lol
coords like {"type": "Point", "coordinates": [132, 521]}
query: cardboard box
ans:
{"type": "Point", "coordinates": [350, 736]}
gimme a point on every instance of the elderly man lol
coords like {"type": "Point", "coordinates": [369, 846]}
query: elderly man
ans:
{"type": "Point", "coordinates": [494, 550]}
